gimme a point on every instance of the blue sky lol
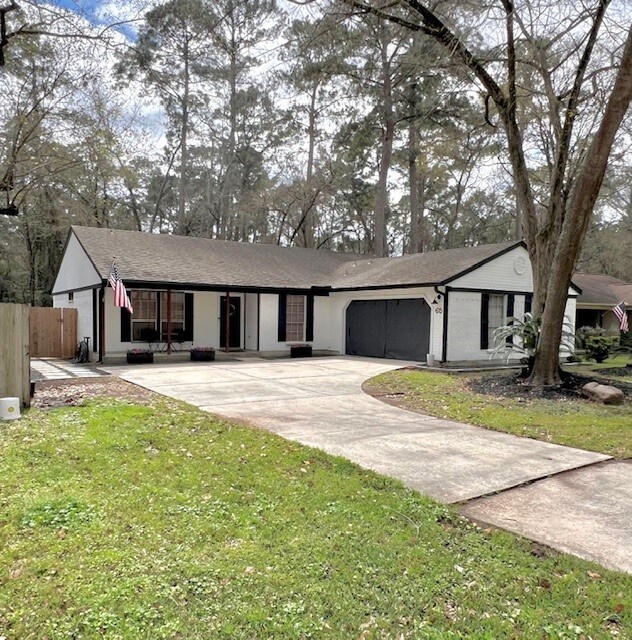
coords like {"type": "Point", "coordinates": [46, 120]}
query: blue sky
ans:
{"type": "Point", "coordinates": [85, 7]}
{"type": "Point", "coordinates": [101, 12]}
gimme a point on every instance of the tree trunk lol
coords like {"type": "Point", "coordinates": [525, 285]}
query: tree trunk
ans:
{"type": "Point", "coordinates": [307, 206]}
{"type": "Point", "coordinates": [228, 186]}
{"type": "Point", "coordinates": [413, 174]}
{"type": "Point", "coordinates": [386, 152]}
{"type": "Point", "coordinates": [184, 149]}
{"type": "Point", "coordinates": [566, 247]}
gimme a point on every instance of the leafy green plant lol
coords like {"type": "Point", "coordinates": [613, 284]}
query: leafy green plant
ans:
{"type": "Point", "coordinates": [586, 332]}
{"type": "Point", "coordinates": [522, 336]}
{"type": "Point", "coordinates": [598, 348]}
{"type": "Point", "coordinates": [625, 342]}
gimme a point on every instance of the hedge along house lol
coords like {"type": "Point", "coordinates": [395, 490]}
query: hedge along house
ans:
{"type": "Point", "coordinates": [258, 297]}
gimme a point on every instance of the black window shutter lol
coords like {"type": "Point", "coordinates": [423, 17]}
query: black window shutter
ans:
{"type": "Point", "coordinates": [510, 313]}
{"type": "Point", "coordinates": [188, 316]}
{"type": "Point", "coordinates": [126, 325]}
{"type": "Point", "coordinates": [484, 320]}
{"type": "Point", "coordinates": [282, 312]}
{"type": "Point", "coordinates": [309, 322]}
{"type": "Point", "coordinates": [528, 302]}
{"type": "Point", "coordinates": [510, 305]}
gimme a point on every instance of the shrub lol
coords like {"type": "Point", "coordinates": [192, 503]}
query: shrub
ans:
{"type": "Point", "coordinates": [625, 342]}
{"type": "Point", "coordinates": [585, 332]}
{"type": "Point", "coordinates": [598, 347]}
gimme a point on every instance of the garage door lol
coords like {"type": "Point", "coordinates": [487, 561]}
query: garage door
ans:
{"type": "Point", "coordinates": [388, 329]}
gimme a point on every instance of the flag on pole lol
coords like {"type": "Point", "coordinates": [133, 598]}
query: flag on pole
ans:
{"type": "Point", "coordinates": [621, 313]}
{"type": "Point", "coordinates": [121, 299]}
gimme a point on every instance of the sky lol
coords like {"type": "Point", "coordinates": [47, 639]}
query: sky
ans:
{"type": "Point", "coordinates": [104, 12]}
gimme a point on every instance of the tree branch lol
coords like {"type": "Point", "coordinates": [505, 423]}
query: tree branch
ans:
{"type": "Point", "coordinates": [4, 36]}
{"type": "Point", "coordinates": [571, 110]}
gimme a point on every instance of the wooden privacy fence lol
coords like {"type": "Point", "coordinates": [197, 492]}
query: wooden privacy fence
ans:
{"type": "Point", "coordinates": [14, 352]}
{"type": "Point", "coordinates": [53, 332]}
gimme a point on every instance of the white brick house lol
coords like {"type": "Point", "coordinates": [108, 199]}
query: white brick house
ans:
{"type": "Point", "coordinates": [445, 304]}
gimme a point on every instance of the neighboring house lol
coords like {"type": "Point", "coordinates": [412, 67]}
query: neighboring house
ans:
{"type": "Point", "coordinates": [599, 294]}
{"type": "Point", "coordinates": [445, 303]}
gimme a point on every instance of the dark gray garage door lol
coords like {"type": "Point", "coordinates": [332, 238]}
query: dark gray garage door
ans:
{"type": "Point", "coordinates": [388, 328]}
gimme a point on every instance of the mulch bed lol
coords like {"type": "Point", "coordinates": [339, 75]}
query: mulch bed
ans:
{"type": "Point", "coordinates": [50, 394]}
{"type": "Point", "coordinates": [512, 386]}
{"type": "Point", "coordinates": [618, 371]}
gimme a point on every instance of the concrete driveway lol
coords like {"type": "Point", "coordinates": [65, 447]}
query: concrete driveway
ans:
{"type": "Point", "coordinates": [319, 402]}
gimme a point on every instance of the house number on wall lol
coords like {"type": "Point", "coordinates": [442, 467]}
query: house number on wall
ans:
{"type": "Point", "coordinates": [438, 310]}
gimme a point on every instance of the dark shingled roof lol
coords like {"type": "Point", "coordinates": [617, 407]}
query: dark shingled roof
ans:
{"type": "Point", "coordinates": [602, 290]}
{"type": "Point", "coordinates": [434, 267]}
{"type": "Point", "coordinates": [185, 260]}
{"type": "Point", "coordinates": [146, 257]}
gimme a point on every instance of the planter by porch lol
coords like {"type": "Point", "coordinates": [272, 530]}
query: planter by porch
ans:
{"type": "Point", "coordinates": [140, 357]}
{"type": "Point", "coordinates": [202, 355]}
{"type": "Point", "coordinates": [301, 351]}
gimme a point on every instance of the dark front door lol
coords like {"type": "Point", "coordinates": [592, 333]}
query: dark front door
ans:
{"type": "Point", "coordinates": [234, 323]}
{"type": "Point", "coordinates": [389, 328]}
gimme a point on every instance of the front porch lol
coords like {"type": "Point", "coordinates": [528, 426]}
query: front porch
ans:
{"type": "Point", "coordinates": [236, 324]}
{"type": "Point", "coordinates": [221, 356]}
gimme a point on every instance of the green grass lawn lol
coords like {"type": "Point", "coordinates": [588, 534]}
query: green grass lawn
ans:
{"type": "Point", "coordinates": [574, 422]}
{"type": "Point", "coordinates": [617, 361]}
{"type": "Point", "coordinates": [129, 521]}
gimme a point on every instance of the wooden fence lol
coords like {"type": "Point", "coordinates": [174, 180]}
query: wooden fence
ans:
{"type": "Point", "coordinates": [53, 332]}
{"type": "Point", "coordinates": [14, 352]}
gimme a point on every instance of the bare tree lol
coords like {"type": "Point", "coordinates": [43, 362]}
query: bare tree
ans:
{"type": "Point", "coordinates": [554, 220]}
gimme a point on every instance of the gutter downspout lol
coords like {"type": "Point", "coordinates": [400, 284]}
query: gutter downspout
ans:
{"type": "Point", "coordinates": [168, 321]}
{"type": "Point", "coordinates": [101, 323]}
{"type": "Point", "coordinates": [444, 337]}
{"type": "Point", "coordinates": [258, 321]}
{"type": "Point", "coordinates": [227, 322]}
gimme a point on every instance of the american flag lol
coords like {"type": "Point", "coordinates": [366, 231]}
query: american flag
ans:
{"type": "Point", "coordinates": [121, 299]}
{"type": "Point", "coordinates": [621, 313]}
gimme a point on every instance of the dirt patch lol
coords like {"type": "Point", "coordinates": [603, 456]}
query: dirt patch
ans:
{"type": "Point", "coordinates": [512, 386]}
{"type": "Point", "coordinates": [397, 399]}
{"type": "Point", "coordinates": [67, 393]}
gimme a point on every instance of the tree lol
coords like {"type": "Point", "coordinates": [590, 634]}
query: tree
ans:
{"type": "Point", "coordinates": [316, 59]}
{"type": "Point", "coordinates": [554, 213]}
{"type": "Point", "coordinates": [240, 118]}
{"type": "Point", "coordinates": [172, 57]}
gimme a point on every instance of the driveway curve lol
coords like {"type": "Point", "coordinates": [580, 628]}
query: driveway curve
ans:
{"type": "Point", "coordinates": [572, 500]}
{"type": "Point", "coordinates": [319, 402]}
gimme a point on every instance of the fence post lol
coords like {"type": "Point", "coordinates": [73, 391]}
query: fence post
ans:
{"type": "Point", "coordinates": [15, 362]}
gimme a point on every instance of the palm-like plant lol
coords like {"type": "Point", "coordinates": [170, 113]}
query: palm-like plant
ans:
{"type": "Point", "coordinates": [527, 330]}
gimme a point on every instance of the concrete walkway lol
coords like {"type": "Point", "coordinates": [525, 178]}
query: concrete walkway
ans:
{"type": "Point", "coordinates": [319, 402]}
{"type": "Point", "coordinates": [58, 369]}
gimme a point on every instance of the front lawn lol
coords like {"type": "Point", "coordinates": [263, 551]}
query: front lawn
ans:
{"type": "Point", "coordinates": [575, 422]}
{"type": "Point", "coordinates": [129, 521]}
{"type": "Point", "coordinates": [617, 368]}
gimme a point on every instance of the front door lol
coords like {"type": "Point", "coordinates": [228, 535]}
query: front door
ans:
{"type": "Point", "coordinates": [234, 323]}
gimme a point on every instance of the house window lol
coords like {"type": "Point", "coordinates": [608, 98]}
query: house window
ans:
{"type": "Point", "coordinates": [496, 316]}
{"type": "Point", "coordinates": [177, 315]}
{"type": "Point", "coordinates": [71, 296]}
{"type": "Point", "coordinates": [493, 315]}
{"type": "Point", "coordinates": [295, 318]}
{"type": "Point", "coordinates": [145, 316]}
{"type": "Point", "coordinates": [149, 322]}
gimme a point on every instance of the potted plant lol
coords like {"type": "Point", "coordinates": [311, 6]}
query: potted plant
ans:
{"type": "Point", "coordinates": [202, 354]}
{"type": "Point", "coordinates": [140, 356]}
{"type": "Point", "coordinates": [300, 351]}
